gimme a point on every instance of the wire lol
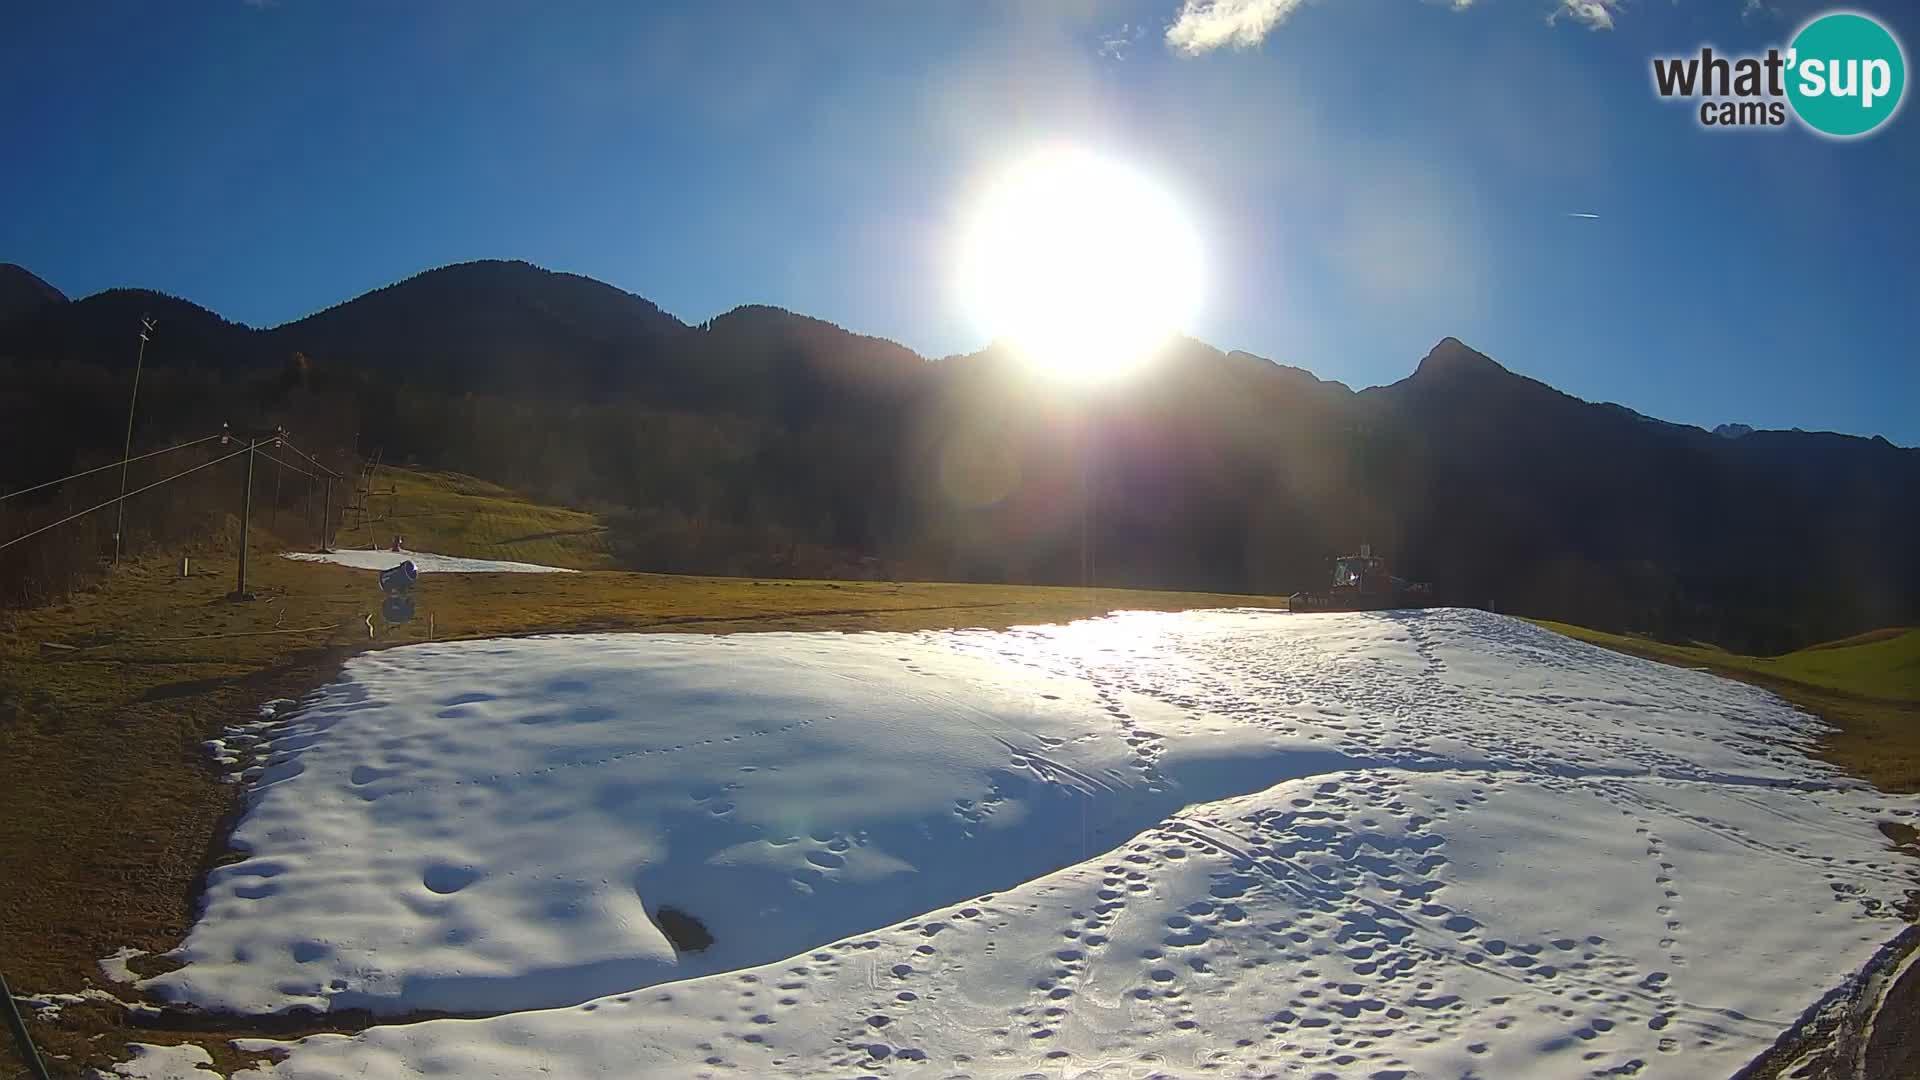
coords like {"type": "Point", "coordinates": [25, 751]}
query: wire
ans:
{"type": "Point", "coordinates": [135, 491]}
{"type": "Point", "coordinates": [108, 465]}
{"type": "Point", "coordinates": [284, 465]}
{"type": "Point", "coordinates": [288, 443]}
{"type": "Point", "coordinates": [315, 461]}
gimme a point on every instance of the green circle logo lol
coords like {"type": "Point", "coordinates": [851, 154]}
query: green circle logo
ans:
{"type": "Point", "coordinates": [1846, 74]}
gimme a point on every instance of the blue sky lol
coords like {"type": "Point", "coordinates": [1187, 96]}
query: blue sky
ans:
{"type": "Point", "coordinates": [1368, 176]}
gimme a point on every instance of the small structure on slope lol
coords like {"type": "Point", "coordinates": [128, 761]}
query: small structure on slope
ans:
{"type": "Point", "coordinates": [1364, 582]}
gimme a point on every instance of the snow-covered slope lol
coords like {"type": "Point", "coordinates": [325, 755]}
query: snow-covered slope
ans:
{"type": "Point", "coordinates": [424, 561]}
{"type": "Point", "coordinates": [494, 825]}
{"type": "Point", "coordinates": [1439, 843]}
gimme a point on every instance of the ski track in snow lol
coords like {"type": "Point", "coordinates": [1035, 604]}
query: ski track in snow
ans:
{"type": "Point", "coordinates": [1233, 843]}
{"type": "Point", "coordinates": [424, 561]}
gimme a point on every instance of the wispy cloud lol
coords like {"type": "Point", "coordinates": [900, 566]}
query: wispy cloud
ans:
{"type": "Point", "coordinates": [1597, 14]}
{"type": "Point", "coordinates": [1205, 25]}
{"type": "Point", "coordinates": [1583, 216]}
{"type": "Point", "coordinates": [1116, 44]}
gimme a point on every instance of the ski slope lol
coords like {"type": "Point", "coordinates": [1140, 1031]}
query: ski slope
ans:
{"type": "Point", "coordinates": [1434, 843]}
{"type": "Point", "coordinates": [424, 561]}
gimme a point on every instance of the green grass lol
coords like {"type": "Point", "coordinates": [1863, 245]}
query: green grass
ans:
{"type": "Point", "coordinates": [1880, 664]}
{"type": "Point", "coordinates": [451, 514]}
{"type": "Point", "coordinates": [1867, 687]}
{"type": "Point", "coordinates": [1884, 664]}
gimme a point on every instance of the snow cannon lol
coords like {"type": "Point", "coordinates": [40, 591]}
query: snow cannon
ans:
{"type": "Point", "coordinates": [397, 580]}
{"type": "Point", "coordinates": [397, 608]}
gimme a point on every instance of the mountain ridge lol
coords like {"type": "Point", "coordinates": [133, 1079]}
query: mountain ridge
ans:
{"type": "Point", "coordinates": [1449, 357]}
{"type": "Point", "coordinates": [21, 290]}
{"type": "Point", "coordinates": [736, 444]}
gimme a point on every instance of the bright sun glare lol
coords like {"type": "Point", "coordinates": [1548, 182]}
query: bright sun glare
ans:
{"type": "Point", "coordinates": [1082, 263]}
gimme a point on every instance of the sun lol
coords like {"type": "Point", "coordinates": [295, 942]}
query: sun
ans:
{"type": "Point", "coordinates": [1083, 264]}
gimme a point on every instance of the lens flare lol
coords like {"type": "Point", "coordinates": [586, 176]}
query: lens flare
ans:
{"type": "Point", "coordinates": [1083, 264]}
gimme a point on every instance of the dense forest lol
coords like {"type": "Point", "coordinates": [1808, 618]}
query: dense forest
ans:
{"type": "Point", "coordinates": [765, 442]}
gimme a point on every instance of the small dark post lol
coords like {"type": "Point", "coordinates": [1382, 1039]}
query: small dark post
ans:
{"type": "Point", "coordinates": [246, 511]}
{"type": "Point", "coordinates": [326, 519]}
{"type": "Point", "coordinates": [21, 1039]}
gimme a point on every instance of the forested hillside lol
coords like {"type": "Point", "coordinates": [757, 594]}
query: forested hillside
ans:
{"type": "Point", "coordinates": [767, 442]}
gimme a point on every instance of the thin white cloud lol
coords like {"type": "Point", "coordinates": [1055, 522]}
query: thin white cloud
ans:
{"type": "Point", "coordinates": [1116, 44]}
{"type": "Point", "coordinates": [1583, 216]}
{"type": "Point", "coordinates": [1205, 25]}
{"type": "Point", "coordinates": [1597, 14]}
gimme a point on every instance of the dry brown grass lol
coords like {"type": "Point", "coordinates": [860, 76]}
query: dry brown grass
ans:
{"type": "Point", "coordinates": [453, 514]}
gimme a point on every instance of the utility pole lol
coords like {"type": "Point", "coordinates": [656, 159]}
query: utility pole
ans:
{"type": "Point", "coordinates": [273, 508]}
{"type": "Point", "coordinates": [126, 450]}
{"type": "Point", "coordinates": [246, 511]}
{"type": "Point", "coordinates": [326, 519]}
{"type": "Point", "coordinates": [1086, 501]}
{"type": "Point", "coordinates": [22, 1041]}
{"type": "Point", "coordinates": [255, 438]}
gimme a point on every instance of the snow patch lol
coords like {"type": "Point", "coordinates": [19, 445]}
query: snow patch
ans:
{"type": "Point", "coordinates": [495, 825]}
{"type": "Point", "coordinates": [115, 966]}
{"type": "Point", "coordinates": [183, 1062]}
{"type": "Point", "coordinates": [48, 1007]}
{"type": "Point", "coordinates": [425, 562]}
{"type": "Point", "coordinates": [1400, 844]}
{"type": "Point", "coordinates": [1368, 923]}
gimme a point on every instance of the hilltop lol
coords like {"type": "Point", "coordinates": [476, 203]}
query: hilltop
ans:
{"type": "Point", "coordinates": [769, 442]}
{"type": "Point", "coordinates": [21, 291]}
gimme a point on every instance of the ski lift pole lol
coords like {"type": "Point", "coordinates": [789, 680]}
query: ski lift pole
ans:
{"type": "Point", "coordinates": [126, 449]}
{"type": "Point", "coordinates": [246, 512]}
{"type": "Point", "coordinates": [21, 1039]}
{"type": "Point", "coordinates": [255, 439]}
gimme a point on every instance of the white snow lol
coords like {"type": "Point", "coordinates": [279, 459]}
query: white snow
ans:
{"type": "Point", "coordinates": [48, 1007]}
{"type": "Point", "coordinates": [1413, 844]}
{"type": "Point", "coordinates": [150, 1062]}
{"type": "Point", "coordinates": [491, 826]}
{"type": "Point", "coordinates": [115, 966]}
{"type": "Point", "coordinates": [424, 561]}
